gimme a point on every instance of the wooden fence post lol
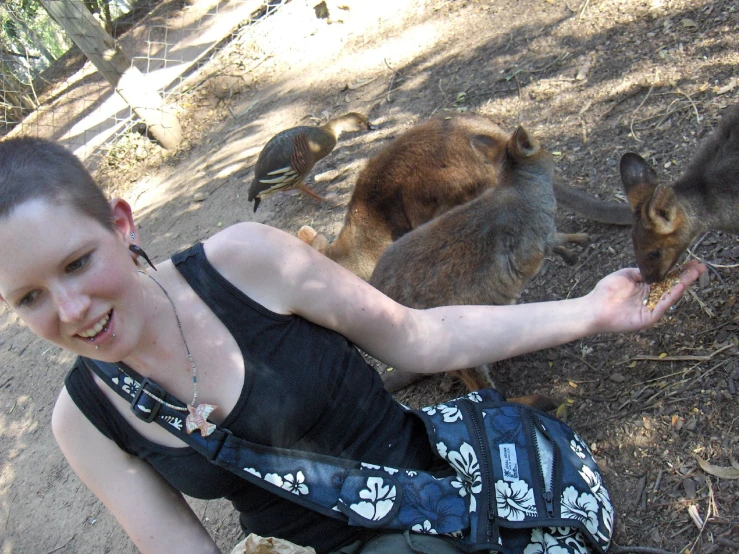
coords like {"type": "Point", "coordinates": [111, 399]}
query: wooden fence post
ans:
{"type": "Point", "coordinates": [114, 65]}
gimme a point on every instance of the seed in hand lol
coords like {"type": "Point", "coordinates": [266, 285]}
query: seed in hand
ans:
{"type": "Point", "coordinates": [660, 288]}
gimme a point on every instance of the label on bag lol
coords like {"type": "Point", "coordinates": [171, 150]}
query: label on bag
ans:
{"type": "Point", "coordinates": [509, 461]}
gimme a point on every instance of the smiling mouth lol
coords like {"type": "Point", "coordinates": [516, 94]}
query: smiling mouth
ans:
{"type": "Point", "coordinates": [93, 331]}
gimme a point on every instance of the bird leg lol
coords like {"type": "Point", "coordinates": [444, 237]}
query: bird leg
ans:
{"type": "Point", "coordinates": [304, 189]}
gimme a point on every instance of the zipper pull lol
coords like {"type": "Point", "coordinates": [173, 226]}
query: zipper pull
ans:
{"type": "Point", "coordinates": [549, 499]}
{"type": "Point", "coordinates": [492, 530]}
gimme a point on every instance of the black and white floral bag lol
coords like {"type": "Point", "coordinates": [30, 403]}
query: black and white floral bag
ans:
{"type": "Point", "coordinates": [519, 481]}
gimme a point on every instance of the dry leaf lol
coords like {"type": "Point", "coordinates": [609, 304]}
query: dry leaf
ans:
{"type": "Point", "coordinates": [679, 423]}
{"type": "Point", "coordinates": [695, 516]}
{"type": "Point", "coordinates": [719, 471]}
{"type": "Point", "coordinates": [359, 83]}
{"type": "Point", "coordinates": [582, 72]}
{"type": "Point", "coordinates": [689, 23]}
{"type": "Point", "coordinates": [572, 384]}
{"type": "Point", "coordinates": [254, 544]}
{"type": "Point", "coordinates": [728, 88]}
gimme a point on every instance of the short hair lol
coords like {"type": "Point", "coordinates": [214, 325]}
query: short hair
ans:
{"type": "Point", "coordinates": [33, 168]}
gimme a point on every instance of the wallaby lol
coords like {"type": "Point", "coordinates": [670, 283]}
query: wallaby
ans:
{"type": "Point", "coordinates": [669, 217]}
{"type": "Point", "coordinates": [482, 252]}
{"type": "Point", "coordinates": [426, 171]}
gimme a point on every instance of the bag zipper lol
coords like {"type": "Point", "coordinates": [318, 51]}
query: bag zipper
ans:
{"type": "Point", "coordinates": [486, 471]}
{"type": "Point", "coordinates": [548, 487]}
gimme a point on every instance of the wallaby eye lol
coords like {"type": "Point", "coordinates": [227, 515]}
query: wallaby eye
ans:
{"type": "Point", "coordinates": [653, 255]}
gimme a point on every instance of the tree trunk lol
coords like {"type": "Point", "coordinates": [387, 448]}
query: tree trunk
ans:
{"type": "Point", "coordinates": [114, 65]}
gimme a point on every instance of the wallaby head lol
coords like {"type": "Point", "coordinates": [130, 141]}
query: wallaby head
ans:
{"type": "Point", "coordinates": [668, 218]}
{"type": "Point", "coordinates": [661, 231]}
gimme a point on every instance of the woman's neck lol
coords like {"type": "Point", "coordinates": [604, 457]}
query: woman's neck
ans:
{"type": "Point", "coordinates": [160, 347]}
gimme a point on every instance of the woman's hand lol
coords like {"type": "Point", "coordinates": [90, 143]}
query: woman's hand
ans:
{"type": "Point", "coordinates": [619, 299]}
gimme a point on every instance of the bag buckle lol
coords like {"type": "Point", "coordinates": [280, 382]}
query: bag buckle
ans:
{"type": "Point", "coordinates": [214, 450]}
{"type": "Point", "coordinates": [144, 406]}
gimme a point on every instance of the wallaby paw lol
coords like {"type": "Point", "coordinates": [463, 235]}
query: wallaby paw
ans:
{"type": "Point", "coordinates": [538, 401]}
{"type": "Point", "coordinates": [474, 378]}
{"type": "Point", "coordinates": [567, 255]}
{"type": "Point", "coordinates": [578, 238]}
{"type": "Point", "coordinates": [307, 233]}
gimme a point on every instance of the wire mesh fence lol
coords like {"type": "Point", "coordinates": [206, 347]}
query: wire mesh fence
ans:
{"type": "Point", "coordinates": [50, 87]}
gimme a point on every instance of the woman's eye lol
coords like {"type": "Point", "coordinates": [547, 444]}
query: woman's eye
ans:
{"type": "Point", "coordinates": [28, 299]}
{"type": "Point", "coordinates": [78, 264]}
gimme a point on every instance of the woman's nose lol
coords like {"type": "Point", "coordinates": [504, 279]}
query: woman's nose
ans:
{"type": "Point", "coordinates": [71, 304]}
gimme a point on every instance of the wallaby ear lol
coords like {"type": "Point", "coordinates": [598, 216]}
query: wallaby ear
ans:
{"type": "Point", "coordinates": [662, 210]}
{"type": "Point", "coordinates": [489, 149]}
{"type": "Point", "coordinates": [638, 178]}
{"type": "Point", "coordinates": [523, 145]}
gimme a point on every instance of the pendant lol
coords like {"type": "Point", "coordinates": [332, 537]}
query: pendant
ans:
{"type": "Point", "coordinates": [197, 419]}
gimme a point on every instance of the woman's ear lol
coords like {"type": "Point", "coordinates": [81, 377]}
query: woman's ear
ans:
{"type": "Point", "coordinates": [123, 219]}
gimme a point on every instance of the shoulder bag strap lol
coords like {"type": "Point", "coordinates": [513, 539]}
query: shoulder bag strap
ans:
{"type": "Point", "coordinates": [362, 494]}
{"type": "Point", "coordinates": [281, 471]}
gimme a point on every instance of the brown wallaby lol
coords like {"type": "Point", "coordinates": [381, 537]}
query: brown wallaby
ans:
{"type": "Point", "coordinates": [426, 171]}
{"type": "Point", "coordinates": [669, 217]}
{"type": "Point", "coordinates": [482, 252]}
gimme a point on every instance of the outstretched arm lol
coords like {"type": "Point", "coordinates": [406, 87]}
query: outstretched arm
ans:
{"type": "Point", "coordinates": [154, 515]}
{"type": "Point", "coordinates": [285, 275]}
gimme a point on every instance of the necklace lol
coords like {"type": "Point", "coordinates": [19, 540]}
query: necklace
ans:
{"type": "Point", "coordinates": [197, 418]}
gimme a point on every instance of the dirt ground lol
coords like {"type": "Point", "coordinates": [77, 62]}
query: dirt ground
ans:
{"type": "Point", "coordinates": [591, 79]}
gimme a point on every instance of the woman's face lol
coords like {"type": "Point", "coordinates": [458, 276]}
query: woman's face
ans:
{"type": "Point", "coordinates": [70, 279]}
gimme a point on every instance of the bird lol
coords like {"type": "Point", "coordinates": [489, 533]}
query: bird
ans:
{"type": "Point", "coordinates": [289, 156]}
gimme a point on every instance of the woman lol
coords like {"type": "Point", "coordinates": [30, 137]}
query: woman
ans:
{"type": "Point", "coordinates": [252, 322]}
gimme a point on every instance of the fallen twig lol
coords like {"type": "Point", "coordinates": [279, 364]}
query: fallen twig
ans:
{"type": "Point", "coordinates": [631, 126]}
{"type": "Point", "coordinates": [582, 10]}
{"type": "Point", "coordinates": [58, 548]}
{"type": "Point", "coordinates": [713, 264]}
{"type": "Point", "coordinates": [616, 549]}
{"type": "Point", "coordinates": [709, 510]}
{"type": "Point", "coordinates": [682, 358]}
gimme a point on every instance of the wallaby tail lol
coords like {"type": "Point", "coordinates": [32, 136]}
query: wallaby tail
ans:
{"type": "Point", "coordinates": [585, 205]}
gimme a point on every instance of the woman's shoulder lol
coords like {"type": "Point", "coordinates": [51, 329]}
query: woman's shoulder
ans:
{"type": "Point", "coordinates": [65, 415]}
{"type": "Point", "coordinates": [252, 257]}
{"type": "Point", "coordinates": [243, 240]}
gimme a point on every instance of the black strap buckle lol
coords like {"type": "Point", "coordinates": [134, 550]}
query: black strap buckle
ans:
{"type": "Point", "coordinates": [214, 449]}
{"type": "Point", "coordinates": [144, 406]}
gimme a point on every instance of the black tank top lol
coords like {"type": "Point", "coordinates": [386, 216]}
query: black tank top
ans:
{"type": "Point", "coordinates": [306, 388]}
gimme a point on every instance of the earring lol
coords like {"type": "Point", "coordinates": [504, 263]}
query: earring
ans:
{"type": "Point", "coordinates": [138, 251]}
{"type": "Point", "coordinates": [133, 235]}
